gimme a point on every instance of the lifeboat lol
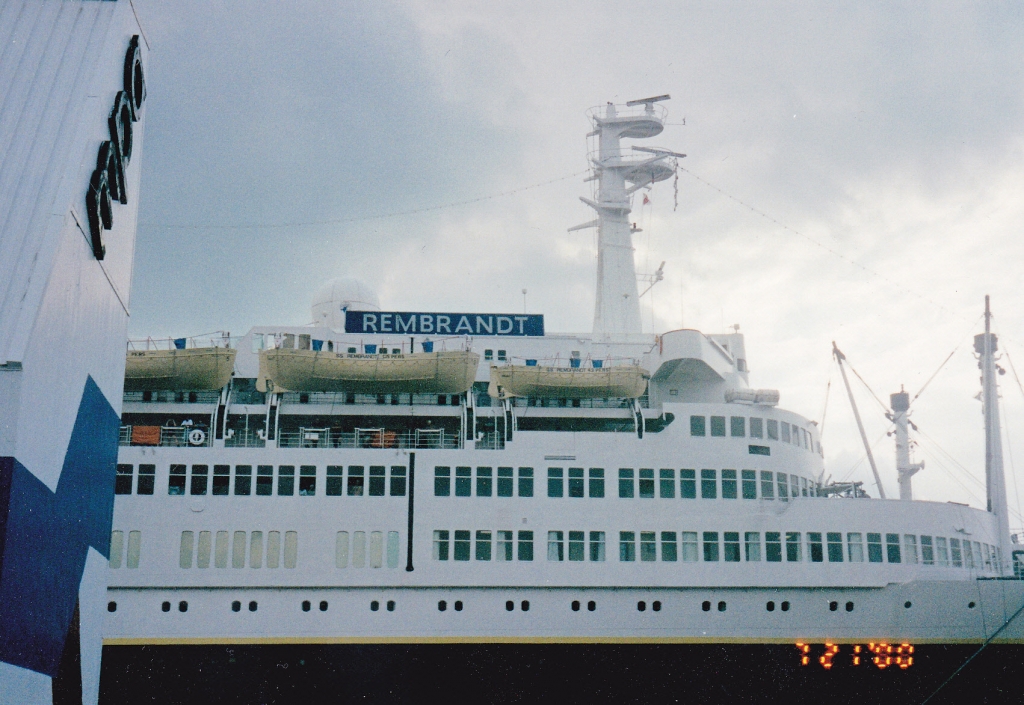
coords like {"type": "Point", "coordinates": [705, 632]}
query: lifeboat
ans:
{"type": "Point", "coordinates": [191, 369]}
{"type": "Point", "coordinates": [624, 381]}
{"type": "Point", "coordinates": [286, 370]}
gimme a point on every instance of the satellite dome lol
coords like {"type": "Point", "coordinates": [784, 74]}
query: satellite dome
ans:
{"type": "Point", "coordinates": [337, 296]}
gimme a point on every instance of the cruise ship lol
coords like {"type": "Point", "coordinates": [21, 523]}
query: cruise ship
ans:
{"type": "Point", "coordinates": [414, 477]}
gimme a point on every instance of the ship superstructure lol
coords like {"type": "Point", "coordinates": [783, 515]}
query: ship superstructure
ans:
{"type": "Point", "coordinates": [424, 476]}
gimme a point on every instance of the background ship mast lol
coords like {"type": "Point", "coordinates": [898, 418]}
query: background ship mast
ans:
{"type": "Point", "coordinates": [617, 305]}
{"type": "Point", "coordinates": [995, 481]}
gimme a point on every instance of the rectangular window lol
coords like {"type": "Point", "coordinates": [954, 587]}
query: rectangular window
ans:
{"type": "Point", "coordinates": [708, 484]}
{"type": "Point", "coordinates": [397, 481]}
{"type": "Point", "coordinates": [265, 480]}
{"type": "Point", "coordinates": [728, 484]}
{"type": "Point", "coordinates": [710, 546]}
{"type": "Point", "coordinates": [463, 482]}
{"type": "Point", "coordinates": [274, 549]}
{"type": "Point", "coordinates": [968, 555]}
{"type": "Point", "coordinates": [773, 546]}
{"type": "Point", "coordinates": [441, 538]}
{"type": "Point", "coordinates": [835, 547]}
{"type": "Point", "coordinates": [483, 481]}
{"type": "Point", "coordinates": [596, 482]}
{"type": "Point", "coordinates": [794, 554]}
{"type": "Point", "coordinates": [147, 479]}
{"type": "Point", "coordinates": [221, 480]}
{"type": "Point", "coordinates": [291, 549]}
{"type": "Point", "coordinates": [392, 549]}
{"type": "Point", "coordinates": [576, 545]}
{"type": "Point", "coordinates": [941, 551]}
{"type": "Point", "coordinates": [204, 548]}
{"type": "Point", "coordinates": [688, 546]}
{"type": "Point", "coordinates": [794, 486]}
{"type": "Point", "coordinates": [626, 482]}
{"type": "Point", "coordinates": [752, 545]}
{"type": "Point", "coordinates": [117, 549]}
{"type": "Point", "coordinates": [123, 479]}
{"type": "Point", "coordinates": [576, 482]}
{"type": "Point", "coordinates": [749, 484]}
{"type": "Point", "coordinates": [358, 549]}
{"type": "Point", "coordinates": [255, 550]}
{"type": "Point", "coordinates": [377, 480]}
{"type": "Point", "coordinates": [767, 485]}
{"type": "Point", "coordinates": [597, 546]}
{"type": "Point", "coordinates": [737, 426]}
{"type": "Point", "coordinates": [341, 548]}
{"type": "Point", "coordinates": [979, 557]}
{"type": "Point", "coordinates": [773, 430]}
{"type": "Point", "coordinates": [307, 480]}
{"type": "Point", "coordinates": [731, 544]}
{"type": "Point", "coordinates": [814, 547]}
{"type": "Point", "coordinates": [785, 432]}
{"type": "Point", "coordinates": [648, 546]}
{"type": "Point", "coordinates": [524, 549]}
{"type": "Point", "coordinates": [285, 480]}
{"type": "Point", "coordinates": [910, 548]}
{"type": "Point", "coordinates": [874, 548]}
{"type": "Point", "coordinates": [556, 546]}
{"type": "Point", "coordinates": [803, 487]}
{"type": "Point", "coordinates": [238, 549]}
{"type": "Point", "coordinates": [335, 481]}
{"type": "Point", "coordinates": [185, 550]}
{"type": "Point", "coordinates": [892, 548]}
{"type": "Point", "coordinates": [646, 483]}
{"type": "Point", "coordinates": [627, 546]}
{"type": "Point", "coordinates": [200, 476]}
{"type": "Point", "coordinates": [555, 482]}
{"type": "Point", "coordinates": [666, 483]}
{"type": "Point", "coordinates": [688, 484]}
{"type": "Point", "coordinates": [525, 482]}
{"type": "Point", "coordinates": [442, 481]}
{"type": "Point", "coordinates": [855, 547]}
{"type": "Point", "coordinates": [504, 546]}
{"type": "Point", "coordinates": [698, 426]}
{"type": "Point", "coordinates": [505, 482]}
{"type": "Point", "coordinates": [756, 427]}
{"type": "Point", "coordinates": [669, 548]}
{"type": "Point", "coordinates": [483, 546]}
{"type": "Point", "coordinates": [461, 545]}
{"type": "Point", "coordinates": [718, 426]}
{"type": "Point", "coordinates": [243, 480]}
{"type": "Point", "coordinates": [954, 553]}
{"type": "Point", "coordinates": [783, 486]}
{"type": "Point", "coordinates": [220, 549]}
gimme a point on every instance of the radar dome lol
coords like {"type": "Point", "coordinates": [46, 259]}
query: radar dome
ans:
{"type": "Point", "coordinates": [337, 296]}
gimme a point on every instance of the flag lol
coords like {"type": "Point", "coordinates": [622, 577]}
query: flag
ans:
{"type": "Point", "coordinates": [646, 199]}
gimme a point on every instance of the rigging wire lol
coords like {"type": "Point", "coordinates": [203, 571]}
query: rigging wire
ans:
{"type": "Point", "coordinates": [969, 331]}
{"type": "Point", "coordinates": [1009, 446]}
{"type": "Point", "coordinates": [1009, 453]}
{"type": "Point", "coordinates": [824, 408]}
{"type": "Point", "coordinates": [880, 403]}
{"type": "Point", "coordinates": [863, 458]}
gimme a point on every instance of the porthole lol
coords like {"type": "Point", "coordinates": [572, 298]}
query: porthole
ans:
{"type": "Point", "coordinates": [970, 605]}
{"type": "Point", "coordinates": [391, 606]}
{"type": "Point", "coordinates": [183, 606]}
{"type": "Point", "coordinates": [374, 606]}
{"type": "Point", "coordinates": [721, 606]}
{"type": "Point", "coordinates": [458, 605]}
{"type": "Point", "coordinates": [706, 605]}
{"type": "Point", "coordinates": [784, 606]}
{"type": "Point", "coordinates": [907, 604]}
{"type": "Point", "coordinates": [656, 606]}
{"type": "Point", "coordinates": [591, 606]}
{"type": "Point", "coordinates": [442, 605]}
{"type": "Point", "coordinates": [833, 606]}
{"type": "Point", "coordinates": [252, 605]}
{"type": "Point", "coordinates": [575, 605]}
{"type": "Point", "coordinates": [236, 606]}
{"type": "Point", "coordinates": [525, 606]}
{"type": "Point", "coordinates": [641, 606]}
{"type": "Point", "coordinates": [849, 607]}
{"type": "Point", "coordinates": [111, 607]}
{"type": "Point", "coordinates": [509, 606]}
{"type": "Point", "coordinates": [770, 606]}
{"type": "Point", "coordinates": [165, 606]}
{"type": "Point", "coordinates": [323, 605]}
{"type": "Point", "coordinates": [305, 605]}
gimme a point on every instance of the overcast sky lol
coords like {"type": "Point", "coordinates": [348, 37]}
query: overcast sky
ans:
{"type": "Point", "coordinates": [884, 142]}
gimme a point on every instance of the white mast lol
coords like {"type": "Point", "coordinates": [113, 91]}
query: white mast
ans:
{"type": "Point", "coordinates": [900, 403]}
{"type": "Point", "coordinates": [617, 305]}
{"type": "Point", "coordinates": [995, 481]}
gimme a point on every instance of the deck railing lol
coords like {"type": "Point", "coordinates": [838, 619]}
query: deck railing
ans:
{"type": "Point", "coordinates": [166, 436]}
{"type": "Point", "coordinates": [368, 438]}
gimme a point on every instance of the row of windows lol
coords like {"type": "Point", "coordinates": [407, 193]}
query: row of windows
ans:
{"type": "Point", "coordinates": [771, 429]}
{"type": "Point", "coordinates": [643, 483]}
{"type": "Point", "coordinates": [118, 556]}
{"type": "Point", "coordinates": [356, 548]}
{"type": "Point", "coordinates": [375, 481]}
{"type": "Point", "coordinates": [226, 547]}
{"type": "Point", "coordinates": [714, 546]}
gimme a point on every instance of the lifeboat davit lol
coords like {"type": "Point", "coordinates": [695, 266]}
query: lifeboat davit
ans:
{"type": "Point", "coordinates": [287, 370]}
{"type": "Point", "coordinates": [624, 381]}
{"type": "Point", "coordinates": [189, 369]}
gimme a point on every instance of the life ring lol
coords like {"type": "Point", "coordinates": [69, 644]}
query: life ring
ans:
{"type": "Point", "coordinates": [197, 437]}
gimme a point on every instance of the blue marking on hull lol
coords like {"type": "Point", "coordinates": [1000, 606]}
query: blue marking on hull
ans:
{"type": "Point", "coordinates": [45, 536]}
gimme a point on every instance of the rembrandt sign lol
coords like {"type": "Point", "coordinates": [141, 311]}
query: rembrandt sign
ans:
{"type": "Point", "coordinates": [504, 324]}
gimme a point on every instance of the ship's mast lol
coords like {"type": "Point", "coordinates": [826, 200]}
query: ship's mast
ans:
{"type": "Point", "coordinates": [995, 481]}
{"type": "Point", "coordinates": [617, 305]}
{"type": "Point", "coordinates": [900, 403]}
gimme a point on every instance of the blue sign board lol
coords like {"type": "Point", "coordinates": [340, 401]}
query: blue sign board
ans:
{"type": "Point", "coordinates": [503, 324]}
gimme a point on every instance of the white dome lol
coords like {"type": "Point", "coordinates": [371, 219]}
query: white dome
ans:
{"type": "Point", "coordinates": [337, 296]}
